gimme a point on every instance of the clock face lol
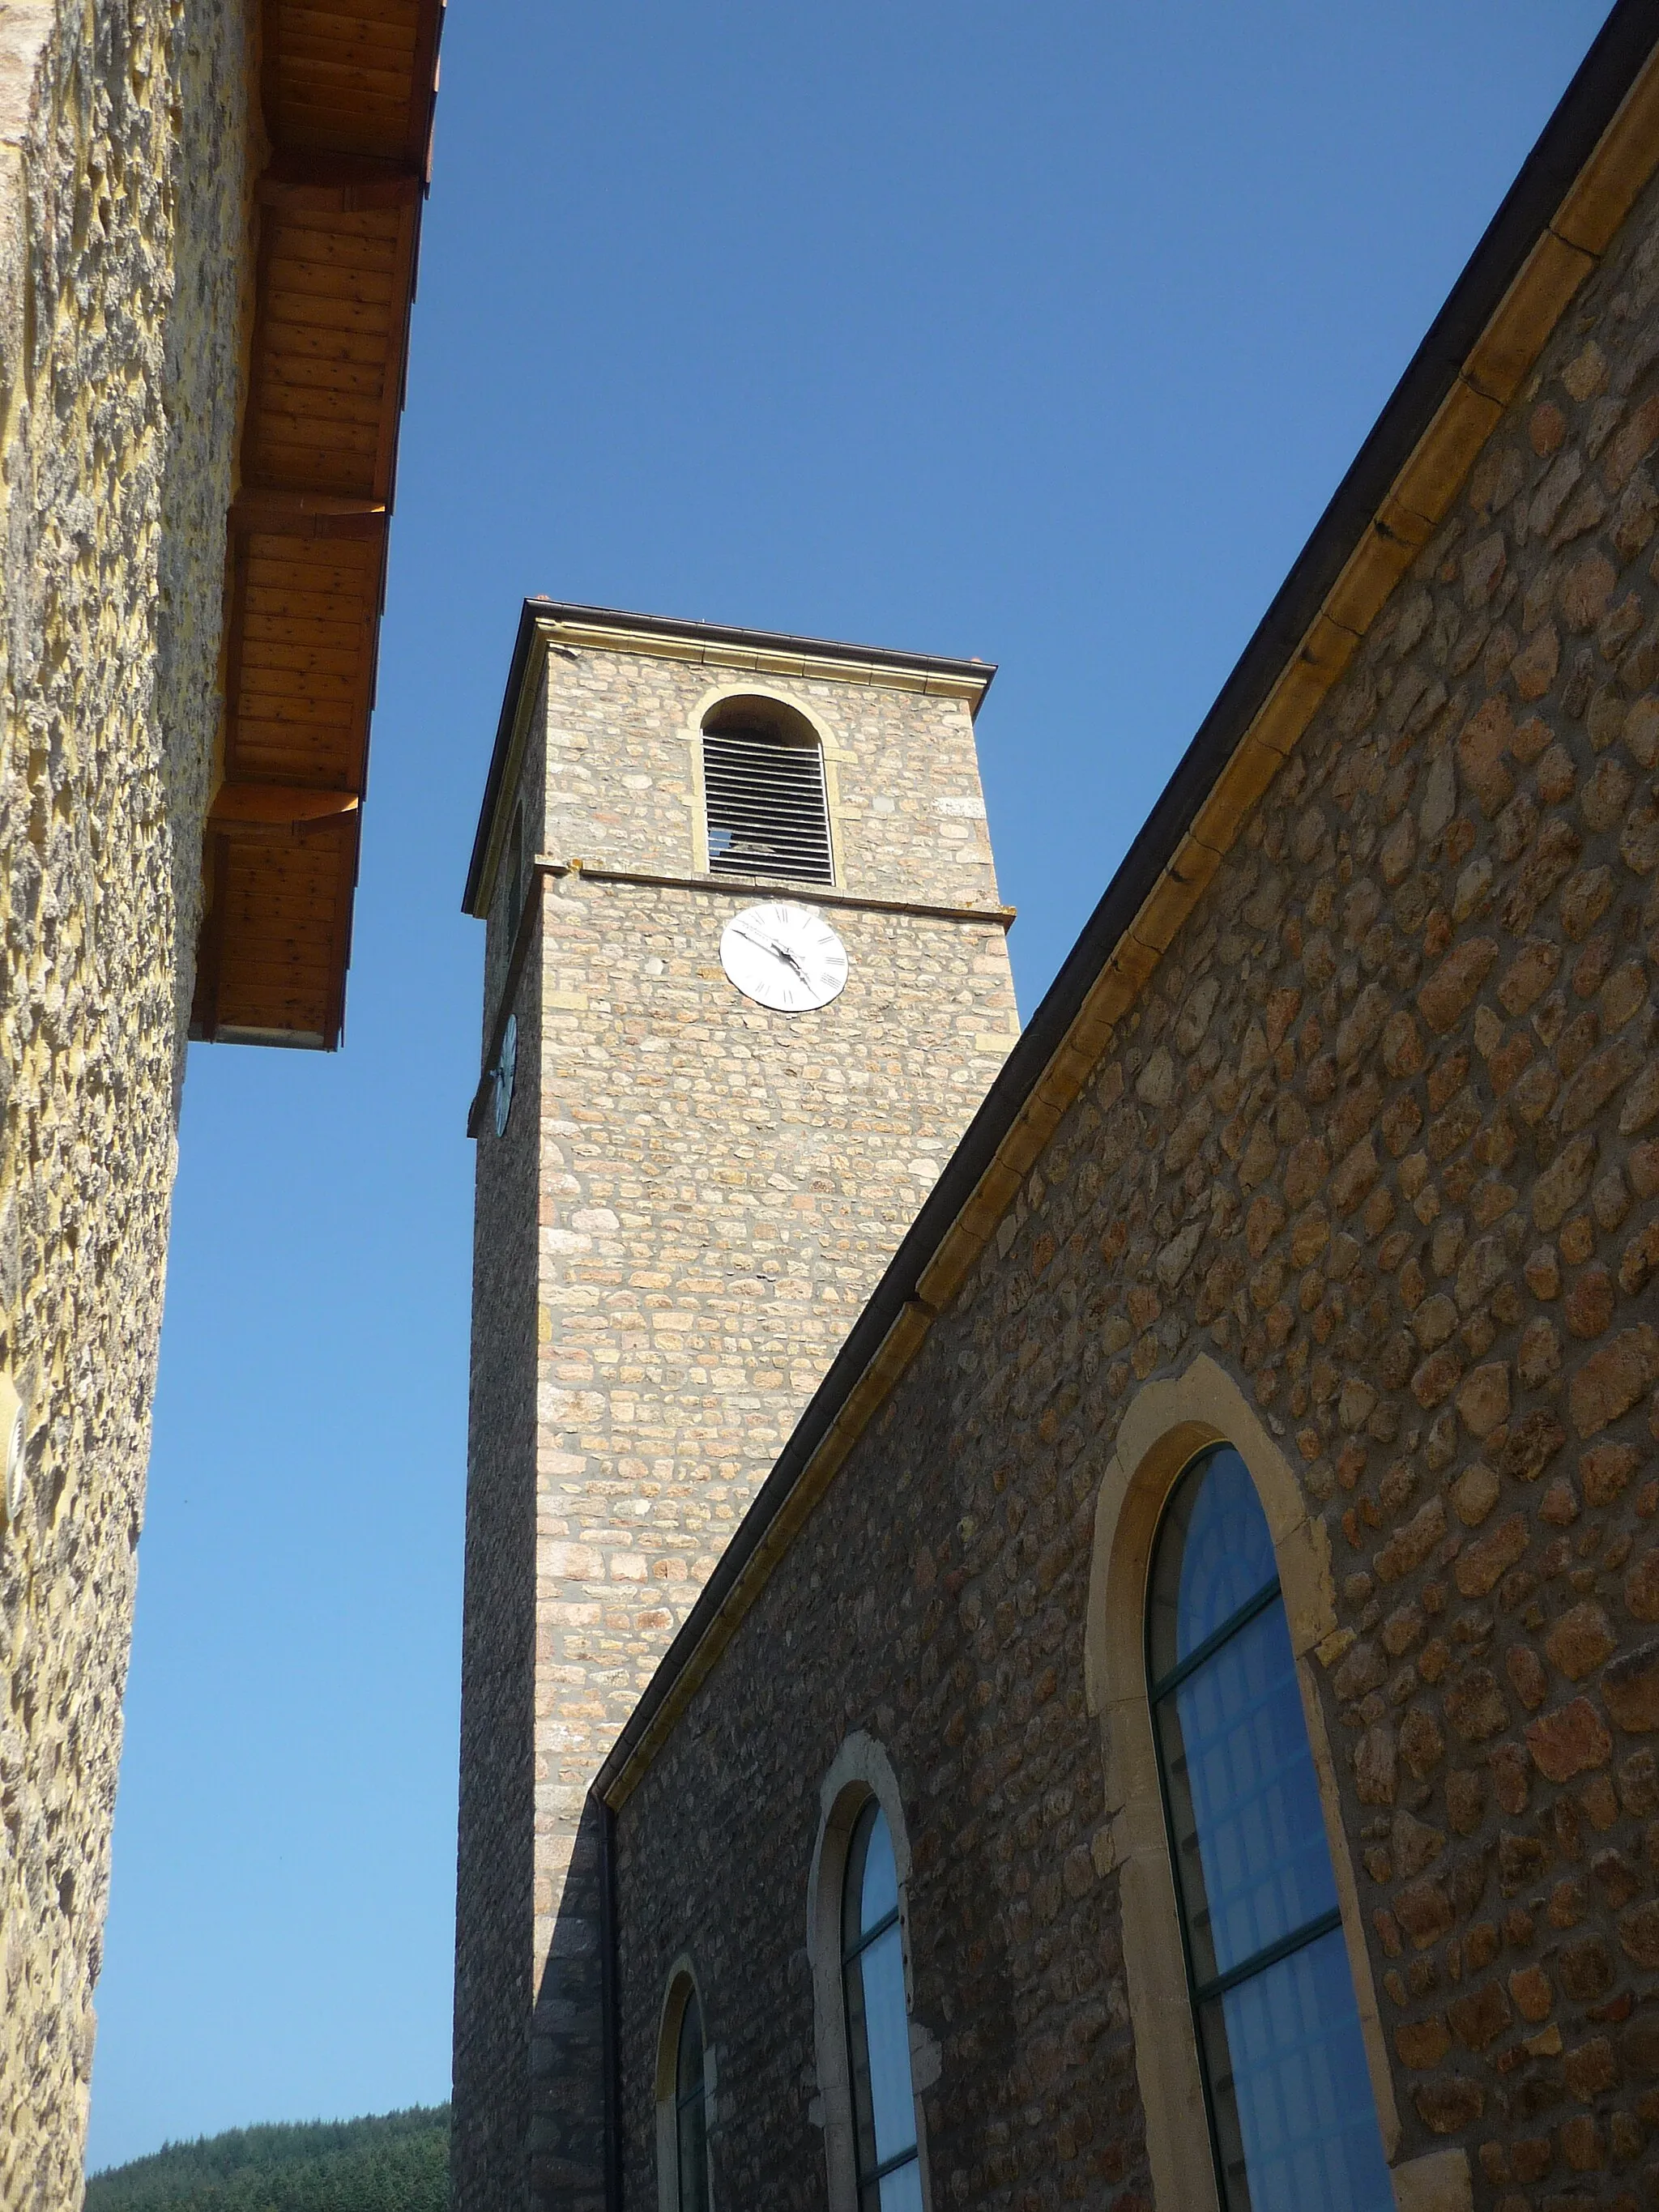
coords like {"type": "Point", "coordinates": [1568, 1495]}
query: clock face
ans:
{"type": "Point", "coordinates": [784, 955]}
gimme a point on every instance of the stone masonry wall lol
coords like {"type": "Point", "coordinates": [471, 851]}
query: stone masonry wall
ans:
{"type": "Point", "coordinates": [494, 1988]}
{"type": "Point", "coordinates": [125, 275]}
{"type": "Point", "coordinates": [721, 1186]}
{"type": "Point", "coordinates": [494, 1994]}
{"type": "Point", "coordinates": [903, 774]}
{"type": "Point", "coordinates": [1383, 1137]}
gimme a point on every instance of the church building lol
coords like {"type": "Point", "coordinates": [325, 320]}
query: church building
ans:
{"type": "Point", "coordinates": [1074, 1620]}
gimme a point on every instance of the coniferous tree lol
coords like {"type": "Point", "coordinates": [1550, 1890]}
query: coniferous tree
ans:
{"type": "Point", "coordinates": [394, 2162]}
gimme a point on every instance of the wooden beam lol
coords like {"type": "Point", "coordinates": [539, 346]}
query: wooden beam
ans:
{"type": "Point", "coordinates": [337, 184]}
{"type": "Point", "coordinates": [347, 90]}
{"type": "Point", "coordinates": [277, 812]}
{"type": "Point", "coordinates": [306, 514]}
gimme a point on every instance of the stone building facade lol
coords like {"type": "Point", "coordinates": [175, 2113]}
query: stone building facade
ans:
{"type": "Point", "coordinates": [1337, 1142]}
{"type": "Point", "coordinates": [690, 1200]}
{"type": "Point", "coordinates": [125, 302]}
{"type": "Point", "coordinates": [135, 146]}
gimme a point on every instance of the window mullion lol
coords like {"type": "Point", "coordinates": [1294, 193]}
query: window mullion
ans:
{"type": "Point", "coordinates": [1269, 1955]}
{"type": "Point", "coordinates": [1213, 1642]}
{"type": "Point", "coordinates": [858, 1949]}
{"type": "Point", "coordinates": [890, 2166]}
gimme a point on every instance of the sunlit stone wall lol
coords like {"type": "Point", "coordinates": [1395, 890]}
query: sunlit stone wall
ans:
{"type": "Point", "coordinates": [124, 284]}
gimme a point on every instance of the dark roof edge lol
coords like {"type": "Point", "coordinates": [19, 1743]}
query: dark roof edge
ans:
{"type": "Point", "coordinates": [1591, 100]}
{"type": "Point", "coordinates": [503, 745]}
{"type": "Point", "coordinates": [538, 610]}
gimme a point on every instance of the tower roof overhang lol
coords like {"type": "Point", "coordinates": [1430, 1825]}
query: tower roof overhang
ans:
{"type": "Point", "coordinates": [1598, 151]}
{"type": "Point", "coordinates": [345, 93]}
{"type": "Point", "coordinates": [543, 623]}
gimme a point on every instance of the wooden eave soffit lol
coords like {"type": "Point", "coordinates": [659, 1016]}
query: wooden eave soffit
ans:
{"type": "Point", "coordinates": [347, 99]}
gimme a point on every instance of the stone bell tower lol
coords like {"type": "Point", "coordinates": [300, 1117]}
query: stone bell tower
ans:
{"type": "Point", "coordinates": [745, 982]}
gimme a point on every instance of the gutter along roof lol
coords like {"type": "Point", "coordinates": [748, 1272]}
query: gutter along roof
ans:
{"type": "Point", "coordinates": [1596, 153]}
{"type": "Point", "coordinates": [763, 652]}
{"type": "Point", "coordinates": [347, 89]}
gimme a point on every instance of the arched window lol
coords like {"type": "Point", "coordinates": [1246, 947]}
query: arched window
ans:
{"type": "Point", "coordinates": [767, 811]}
{"type": "Point", "coordinates": [1292, 2121]}
{"type": "Point", "coordinates": [877, 2022]}
{"type": "Point", "coordinates": [690, 2112]}
{"type": "Point", "coordinates": [685, 2079]}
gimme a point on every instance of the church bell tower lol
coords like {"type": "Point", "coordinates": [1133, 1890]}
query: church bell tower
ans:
{"type": "Point", "coordinates": [746, 982]}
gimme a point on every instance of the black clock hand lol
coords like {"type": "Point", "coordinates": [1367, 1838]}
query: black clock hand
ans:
{"type": "Point", "coordinates": [777, 951]}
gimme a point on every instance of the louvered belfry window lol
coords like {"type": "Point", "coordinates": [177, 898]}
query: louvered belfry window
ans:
{"type": "Point", "coordinates": [768, 814]}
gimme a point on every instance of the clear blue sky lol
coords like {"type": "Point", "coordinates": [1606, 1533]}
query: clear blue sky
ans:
{"type": "Point", "coordinates": [1039, 329]}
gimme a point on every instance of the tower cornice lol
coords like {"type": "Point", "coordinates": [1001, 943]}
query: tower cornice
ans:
{"type": "Point", "coordinates": [547, 625]}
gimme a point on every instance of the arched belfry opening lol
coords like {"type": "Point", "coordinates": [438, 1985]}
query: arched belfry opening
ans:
{"type": "Point", "coordinates": [767, 809]}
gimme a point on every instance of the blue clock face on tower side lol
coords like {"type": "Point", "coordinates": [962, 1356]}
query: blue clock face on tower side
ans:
{"type": "Point", "coordinates": [505, 1068]}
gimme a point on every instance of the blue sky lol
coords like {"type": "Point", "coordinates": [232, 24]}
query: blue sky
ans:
{"type": "Point", "coordinates": [1028, 329]}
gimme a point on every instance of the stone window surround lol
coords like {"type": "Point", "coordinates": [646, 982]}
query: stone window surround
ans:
{"type": "Point", "coordinates": [682, 1983]}
{"type": "Point", "coordinates": [861, 1770]}
{"type": "Point", "coordinates": [828, 754]}
{"type": "Point", "coordinates": [1167, 1424]}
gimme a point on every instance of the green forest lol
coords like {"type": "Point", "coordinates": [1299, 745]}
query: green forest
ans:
{"type": "Point", "coordinates": [398, 2162]}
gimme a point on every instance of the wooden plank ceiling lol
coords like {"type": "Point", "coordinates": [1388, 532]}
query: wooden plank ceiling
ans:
{"type": "Point", "coordinates": [348, 94]}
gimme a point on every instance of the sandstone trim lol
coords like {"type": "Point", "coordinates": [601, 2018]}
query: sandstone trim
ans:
{"type": "Point", "coordinates": [829, 753]}
{"type": "Point", "coordinates": [1439, 2181]}
{"type": "Point", "coordinates": [1002, 917]}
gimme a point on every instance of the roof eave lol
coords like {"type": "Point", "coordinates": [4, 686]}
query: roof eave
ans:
{"type": "Point", "coordinates": [346, 101]}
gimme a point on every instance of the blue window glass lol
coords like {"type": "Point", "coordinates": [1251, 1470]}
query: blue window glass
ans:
{"type": "Point", "coordinates": [690, 2112]}
{"type": "Point", "coordinates": [879, 2023]}
{"type": "Point", "coordinates": [1292, 2116]}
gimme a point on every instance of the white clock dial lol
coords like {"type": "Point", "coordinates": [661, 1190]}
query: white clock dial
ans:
{"type": "Point", "coordinates": [784, 955]}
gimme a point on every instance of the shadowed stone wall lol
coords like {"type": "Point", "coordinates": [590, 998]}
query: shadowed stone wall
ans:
{"type": "Point", "coordinates": [125, 282]}
{"type": "Point", "coordinates": [1382, 1138]}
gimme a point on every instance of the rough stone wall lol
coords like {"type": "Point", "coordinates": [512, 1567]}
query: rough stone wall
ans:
{"type": "Point", "coordinates": [902, 772]}
{"type": "Point", "coordinates": [493, 1989]}
{"type": "Point", "coordinates": [1383, 1137]}
{"type": "Point", "coordinates": [125, 277]}
{"type": "Point", "coordinates": [721, 1186]}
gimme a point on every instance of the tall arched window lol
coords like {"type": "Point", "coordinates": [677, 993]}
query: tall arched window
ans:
{"type": "Point", "coordinates": [690, 2114]}
{"type": "Point", "coordinates": [684, 2080]}
{"type": "Point", "coordinates": [767, 811]}
{"type": "Point", "coordinates": [1292, 2121]}
{"type": "Point", "coordinates": [877, 2022]}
